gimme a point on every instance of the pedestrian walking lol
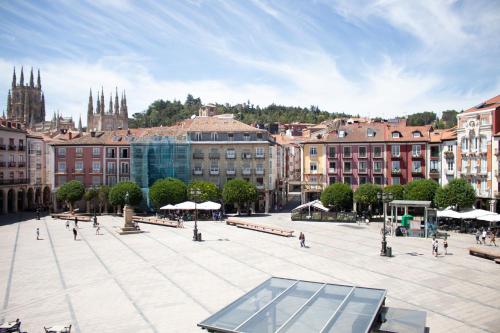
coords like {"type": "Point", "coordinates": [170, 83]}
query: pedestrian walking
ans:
{"type": "Point", "coordinates": [492, 238]}
{"type": "Point", "coordinates": [76, 222]}
{"type": "Point", "coordinates": [37, 234]}
{"type": "Point", "coordinates": [445, 245]}
{"type": "Point", "coordinates": [478, 234]}
{"type": "Point", "coordinates": [74, 233]}
{"type": "Point", "coordinates": [67, 224]}
{"type": "Point", "coordinates": [302, 239]}
{"type": "Point", "coordinates": [483, 236]}
{"type": "Point", "coordinates": [98, 229]}
{"type": "Point", "coordinates": [434, 246]}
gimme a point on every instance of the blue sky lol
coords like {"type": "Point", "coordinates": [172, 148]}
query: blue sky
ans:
{"type": "Point", "coordinates": [374, 58]}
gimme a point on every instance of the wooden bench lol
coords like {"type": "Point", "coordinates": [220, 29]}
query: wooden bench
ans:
{"type": "Point", "coordinates": [260, 227]}
{"type": "Point", "coordinates": [485, 252]}
{"type": "Point", "coordinates": [155, 221]}
{"type": "Point", "coordinates": [71, 217]}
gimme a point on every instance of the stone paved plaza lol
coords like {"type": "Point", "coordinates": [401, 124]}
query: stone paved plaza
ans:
{"type": "Point", "coordinates": [160, 281]}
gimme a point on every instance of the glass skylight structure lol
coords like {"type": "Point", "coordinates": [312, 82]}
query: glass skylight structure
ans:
{"type": "Point", "coordinates": [287, 305]}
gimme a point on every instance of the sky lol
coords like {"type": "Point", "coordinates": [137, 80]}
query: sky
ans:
{"type": "Point", "coordinates": [373, 58]}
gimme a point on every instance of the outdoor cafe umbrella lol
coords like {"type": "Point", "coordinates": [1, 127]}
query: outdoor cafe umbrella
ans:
{"type": "Point", "coordinates": [474, 214]}
{"type": "Point", "coordinates": [186, 205]}
{"type": "Point", "coordinates": [209, 205]}
{"type": "Point", "coordinates": [169, 207]}
{"type": "Point", "coordinates": [490, 217]}
{"type": "Point", "coordinates": [450, 213]}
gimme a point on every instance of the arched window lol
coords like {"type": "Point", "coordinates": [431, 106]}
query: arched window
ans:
{"type": "Point", "coordinates": [484, 143]}
{"type": "Point", "coordinates": [465, 144]}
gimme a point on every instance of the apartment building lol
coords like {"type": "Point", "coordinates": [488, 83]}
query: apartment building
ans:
{"type": "Point", "coordinates": [38, 193]}
{"type": "Point", "coordinates": [441, 152]}
{"type": "Point", "coordinates": [475, 132]}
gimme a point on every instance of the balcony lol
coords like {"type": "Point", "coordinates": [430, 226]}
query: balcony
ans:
{"type": "Point", "coordinates": [21, 148]}
{"type": "Point", "coordinates": [332, 170]}
{"type": "Point", "coordinates": [230, 172]}
{"type": "Point", "coordinates": [417, 172]}
{"type": "Point", "coordinates": [198, 155]}
{"type": "Point", "coordinates": [12, 147]}
{"type": "Point", "coordinates": [2, 147]}
{"type": "Point", "coordinates": [363, 171]}
{"type": "Point", "coordinates": [396, 171]}
{"type": "Point", "coordinates": [260, 156]}
{"type": "Point", "coordinates": [214, 156]}
{"type": "Point", "coordinates": [2, 164]}
{"type": "Point", "coordinates": [395, 156]}
{"type": "Point", "coordinates": [198, 172]}
{"type": "Point", "coordinates": [449, 154]}
{"type": "Point", "coordinates": [13, 181]}
{"type": "Point", "coordinates": [259, 171]}
{"type": "Point", "coordinates": [417, 155]}
{"type": "Point", "coordinates": [246, 156]}
{"type": "Point", "coordinates": [21, 164]}
{"type": "Point", "coordinates": [214, 172]}
{"type": "Point", "coordinates": [12, 164]}
{"type": "Point", "coordinates": [377, 170]}
{"type": "Point", "coordinates": [231, 156]}
{"type": "Point", "coordinates": [348, 171]}
{"type": "Point", "coordinates": [246, 171]}
{"type": "Point", "coordinates": [434, 173]}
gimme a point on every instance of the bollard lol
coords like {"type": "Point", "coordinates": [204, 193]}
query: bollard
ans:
{"type": "Point", "coordinates": [388, 252]}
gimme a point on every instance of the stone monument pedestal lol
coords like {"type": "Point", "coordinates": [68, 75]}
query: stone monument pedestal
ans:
{"type": "Point", "coordinates": [128, 226]}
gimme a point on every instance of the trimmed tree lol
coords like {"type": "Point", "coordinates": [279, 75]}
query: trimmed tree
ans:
{"type": "Point", "coordinates": [239, 192]}
{"type": "Point", "coordinates": [208, 191]}
{"type": "Point", "coordinates": [118, 192]}
{"type": "Point", "coordinates": [89, 196]}
{"type": "Point", "coordinates": [366, 194]}
{"type": "Point", "coordinates": [397, 190]}
{"type": "Point", "coordinates": [167, 191]}
{"type": "Point", "coordinates": [338, 196]}
{"type": "Point", "coordinates": [457, 193]}
{"type": "Point", "coordinates": [422, 189]}
{"type": "Point", "coordinates": [70, 193]}
{"type": "Point", "coordinates": [103, 197]}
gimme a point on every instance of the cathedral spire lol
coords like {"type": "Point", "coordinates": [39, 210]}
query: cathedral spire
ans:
{"type": "Point", "coordinates": [39, 81]}
{"type": "Point", "coordinates": [14, 82]}
{"type": "Point", "coordinates": [21, 79]}
{"type": "Point", "coordinates": [110, 104]}
{"type": "Point", "coordinates": [125, 108]}
{"type": "Point", "coordinates": [32, 82]}
{"type": "Point", "coordinates": [102, 101]}
{"type": "Point", "coordinates": [117, 107]}
{"type": "Point", "coordinates": [9, 102]}
{"type": "Point", "coordinates": [98, 105]}
{"type": "Point", "coordinates": [32, 121]}
{"type": "Point", "coordinates": [26, 108]}
{"type": "Point", "coordinates": [42, 108]}
{"type": "Point", "coordinates": [90, 108]}
{"type": "Point", "coordinates": [80, 129]}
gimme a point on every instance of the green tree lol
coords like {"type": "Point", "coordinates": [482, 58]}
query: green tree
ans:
{"type": "Point", "coordinates": [89, 196]}
{"type": "Point", "coordinates": [397, 190]}
{"type": "Point", "coordinates": [117, 194]}
{"type": "Point", "coordinates": [167, 191]}
{"type": "Point", "coordinates": [338, 196]}
{"type": "Point", "coordinates": [422, 189]}
{"type": "Point", "coordinates": [421, 118]}
{"type": "Point", "coordinates": [103, 197]}
{"type": "Point", "coordinates": [239, 192]}
{"type": "Point", "coordinates": [457, 193]}
{"type": "Point", "coordinates": [70, 193]}
{"type": "Point", "coordinates": [366, 194]}
{"type": "Point", "coordinates": [208, 191]}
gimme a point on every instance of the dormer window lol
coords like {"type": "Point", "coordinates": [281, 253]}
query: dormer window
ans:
{"type": "Point", "coordinates": [370, 132]}
{"type": "Point", "coordinates": [417, 134]}
{"type": "Point", "coordinates": [341, 134]}
{"type": "Point", "coordinates": [396, 135]}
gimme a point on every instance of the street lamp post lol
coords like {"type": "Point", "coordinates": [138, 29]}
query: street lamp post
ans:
{"type": "Point", "coordinates": [95, 216]}
{"type": "Point", "coordinates": [384, 197]}
{"type": "Point", "coordinates": [194, 194]}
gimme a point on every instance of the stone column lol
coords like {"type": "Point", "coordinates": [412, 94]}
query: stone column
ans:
{"type": "Point", "coordinates": [128, 212]}
{"type": "Point", "coordinates": [266, 203]}
{"type": "Point", "coordinates": [5, 204]}
{"type": "Point", "coordinates": [25, 199]}
{"type": "Point", "coordinates": [14, 199]}
{"type": "Point", "coordinates": [493, 205]}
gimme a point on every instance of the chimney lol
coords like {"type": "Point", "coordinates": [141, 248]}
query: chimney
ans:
{"type": "Point", "coordinates": [70, 135]}
{"type": "Point", "coordinates": [92, 134]}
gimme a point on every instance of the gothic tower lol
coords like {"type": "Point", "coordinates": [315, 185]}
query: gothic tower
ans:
{"type": "Point", "coordinates": [114, 118]}
{"type": "Point", "coordinates": [26, 103]}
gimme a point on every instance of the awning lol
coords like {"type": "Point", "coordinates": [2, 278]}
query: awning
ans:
{"type": "Point", "coordinates": [474, 214]}
{"type": "Point", "coordinates": [315, 204]}
{"type": "Point", "coordinates": [450, 213]}
{"type": "Point", "coordinates": [168, 207]}
{"type": "Point", "coordinates": [209, 205]}
{"type": "Point", "coordinates": [186, 205]}
{"type": "Point", "coordinates": [490, 217]}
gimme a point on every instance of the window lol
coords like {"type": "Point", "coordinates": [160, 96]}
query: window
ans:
{"type": "Point", "coordinates": [259, 152]}
{"type": "Point", "coordinates": [465, 144]}
{"type": "Point", "coordinates": [96, 166]}
{"type": "Point", "coordinates": [61, 167]}
{"type": "Point", "coordinates": [124, 167]}
{"type": "Point", "coordinates": [464, 166]}
{"type": "Point", "coordinates": [377, 180]}
{"type": "Point", "coordinates": [396, 181]}
{"type": "Point", "coordinates": [332, 165]}
{"type": "Point", "coordinates": [313, 167]}
{"type": "Point", "coordinates": [434, 166]}
{"type": "Point", "coordinates": [313, 151]}
{"type": "Point", "coordinates": [473, 165]}
{"type": "Point", "coordinates": [246, 137]}
{"type": "Point", "coordinates": [331, 152]}
{"type": "Point", "coordinates": [396, 135]}
{"type": "Point", "coordinates": [417, 166]}
{"type": "Point", "coordinates": [484, 144]}
{"type": "Point", "coordinates": [377, 151]}
{"type": "Point", "coordinates": [96, 180]}
{"type": "Point", "coordinates": [124, 152]}
{"type": "Point", "coordinates": [313, 179]}
{"type": "Point", "coordinates": [417, 134]}
{"type": "Point", "coordinates": [362, 152]}
{"type": "Point", "coordinates": [416, 150]}
{"type": "Point", "coordinates": [363, 166]}
{"type": "Point", "coordinates": [230, 153]}
{"type": "Point", "coordinates": [377, 166]}
{"type": "Point", "coordinates": [198, 136]}
{"type": "Point", "coordinates": [79, 166]}
{"type": "Point", "coordinates": [60, 180]}
{"type": "Point", "coordinates": [434, 151]}
{"type": "Point", "coordinates": [214, 136]}
{"type": "Point", "coordinates": [332, 179]}
{"type": "Point", "coordinates": [347, 151]}
{"type": "Point", "coordinates": [484, 185]}
{"type": "Point", "coordinates": [347, 166]}
{"type": "Point", "coordinates": [395, 150]}
{"type": "Point", "coordinates": [96, 151]}
{"type": "Point", "coordinates": [259, 135]}
{"type": "Point", "coordinates": [485, 121]}
{"type": "Point", "coordinates": [79, 151]}
{"type": "Point", "coordinates": [348, 180]}
{"type": "Point", "coordinates": [61, 152]}
{"type": "Point", "coordinates": [259, 169]}
{"type": "Point", "coordinates": [111, 167]}
{"type": "Point", "coordinates": [396, 166]}
{"type": "Point", "coordinates": [363, 180]}
{"type": "Point", "coordinates": [451, 164]}
{"type": "Point", "coordinates": [214, 167]}
{"type": "Point", "coordinates": [230, 136]}
{"type": "Point", "coordinates": [341, 134]}
{"type": "Point", "coordinates": [110, 152]}
{"type": "Point", "coordinates": [21, 144]}
{"type": "Point", "coordinates": [370, 132]}
{"type": "Point", "coordinates": [484, 165]}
